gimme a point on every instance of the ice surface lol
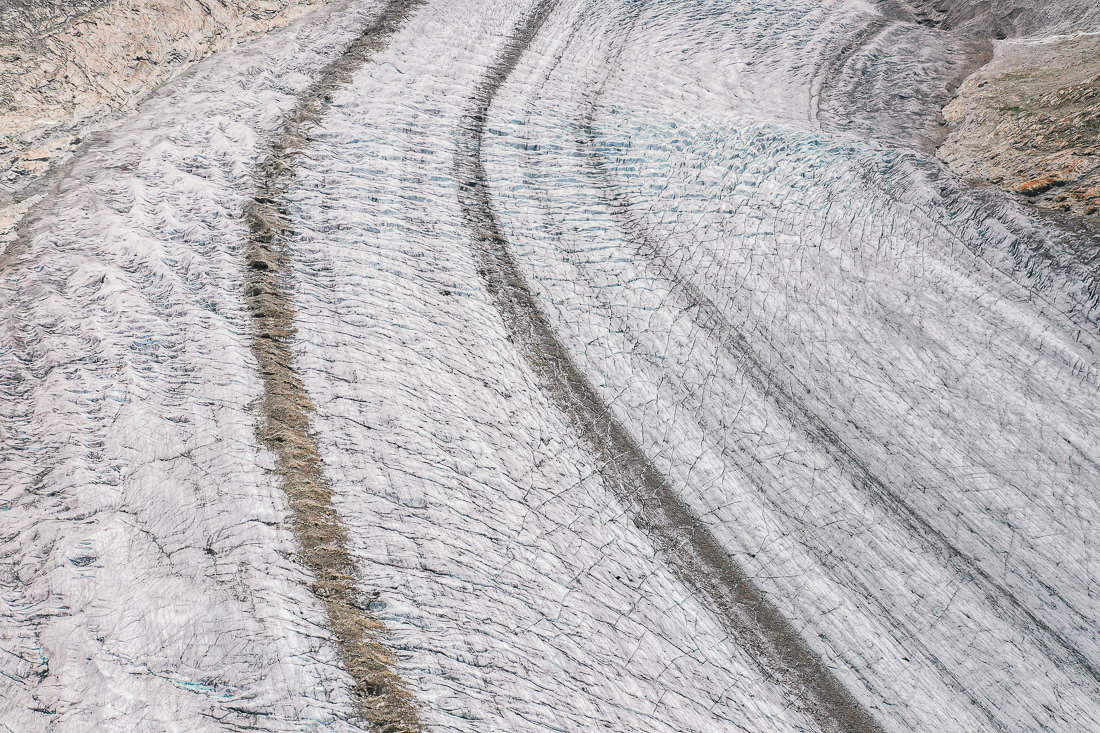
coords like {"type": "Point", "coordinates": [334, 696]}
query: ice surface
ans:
{"type": "Point", "coordinates": [890, 431]}
{"type": "Point", "coordinates": [147, 582]}
{"type": "Point", "coordinates": [875, 389]}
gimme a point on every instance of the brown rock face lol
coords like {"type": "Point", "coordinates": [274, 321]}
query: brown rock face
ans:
{"type": "Point", "coordinates": [1036, 186]}
{"type": "Point", "coordinates": [1029, 122]}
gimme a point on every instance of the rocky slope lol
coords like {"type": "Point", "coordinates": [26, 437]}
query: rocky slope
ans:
{"type": "Point", "coordinates": [66, 68]}
{"type": "Point", "coordinates": [1000, 19]}
{"type": "Point", "coordinates": [1029, 120]}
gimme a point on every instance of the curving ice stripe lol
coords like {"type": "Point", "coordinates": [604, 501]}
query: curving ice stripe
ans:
{"type": "Point", "coordinates": [877, 389]}
{"type": "Point", "coordinates": [919, 329]}
{"type": "Point", "coordinates": [148, 580]}
{"type": "Point", "coordinates": [523, 597]}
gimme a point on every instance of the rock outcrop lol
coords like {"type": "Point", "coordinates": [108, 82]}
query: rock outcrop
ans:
{"type": "Point", "coordinates": [1029, 122]}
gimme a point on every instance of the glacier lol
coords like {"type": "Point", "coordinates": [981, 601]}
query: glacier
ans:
{"type": "Point", "coordinates": [659, 375]}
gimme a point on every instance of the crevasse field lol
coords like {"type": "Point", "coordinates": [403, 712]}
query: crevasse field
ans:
{"type": "Point", "coordinates": [661, 377]}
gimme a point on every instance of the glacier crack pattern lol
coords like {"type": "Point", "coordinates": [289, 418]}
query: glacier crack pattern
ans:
{"type": "Point", "coordinates": [383, 701]}
{"type": "Point", "coordinates": [697, 558]}
{"type": "Point", "coordinates": [553, 365]}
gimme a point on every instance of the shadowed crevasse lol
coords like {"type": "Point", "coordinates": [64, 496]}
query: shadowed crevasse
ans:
{"type": "Point", "coordinates": [686, 543]}
{"type": "Point", "coordinates": [380, 695]}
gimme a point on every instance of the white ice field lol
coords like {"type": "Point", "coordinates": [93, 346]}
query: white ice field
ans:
{"type": "Point", "coordinates": [541, 253]}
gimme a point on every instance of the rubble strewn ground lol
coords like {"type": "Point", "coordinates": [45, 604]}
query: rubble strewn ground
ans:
{"type": "Point", "coordinates": [1029, 122]}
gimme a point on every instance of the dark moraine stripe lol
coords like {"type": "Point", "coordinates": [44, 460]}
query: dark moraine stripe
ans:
{"type": "Point", "coordinates": [382, 700]}
{"type": "Point", "coordinates": [685, 542]}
